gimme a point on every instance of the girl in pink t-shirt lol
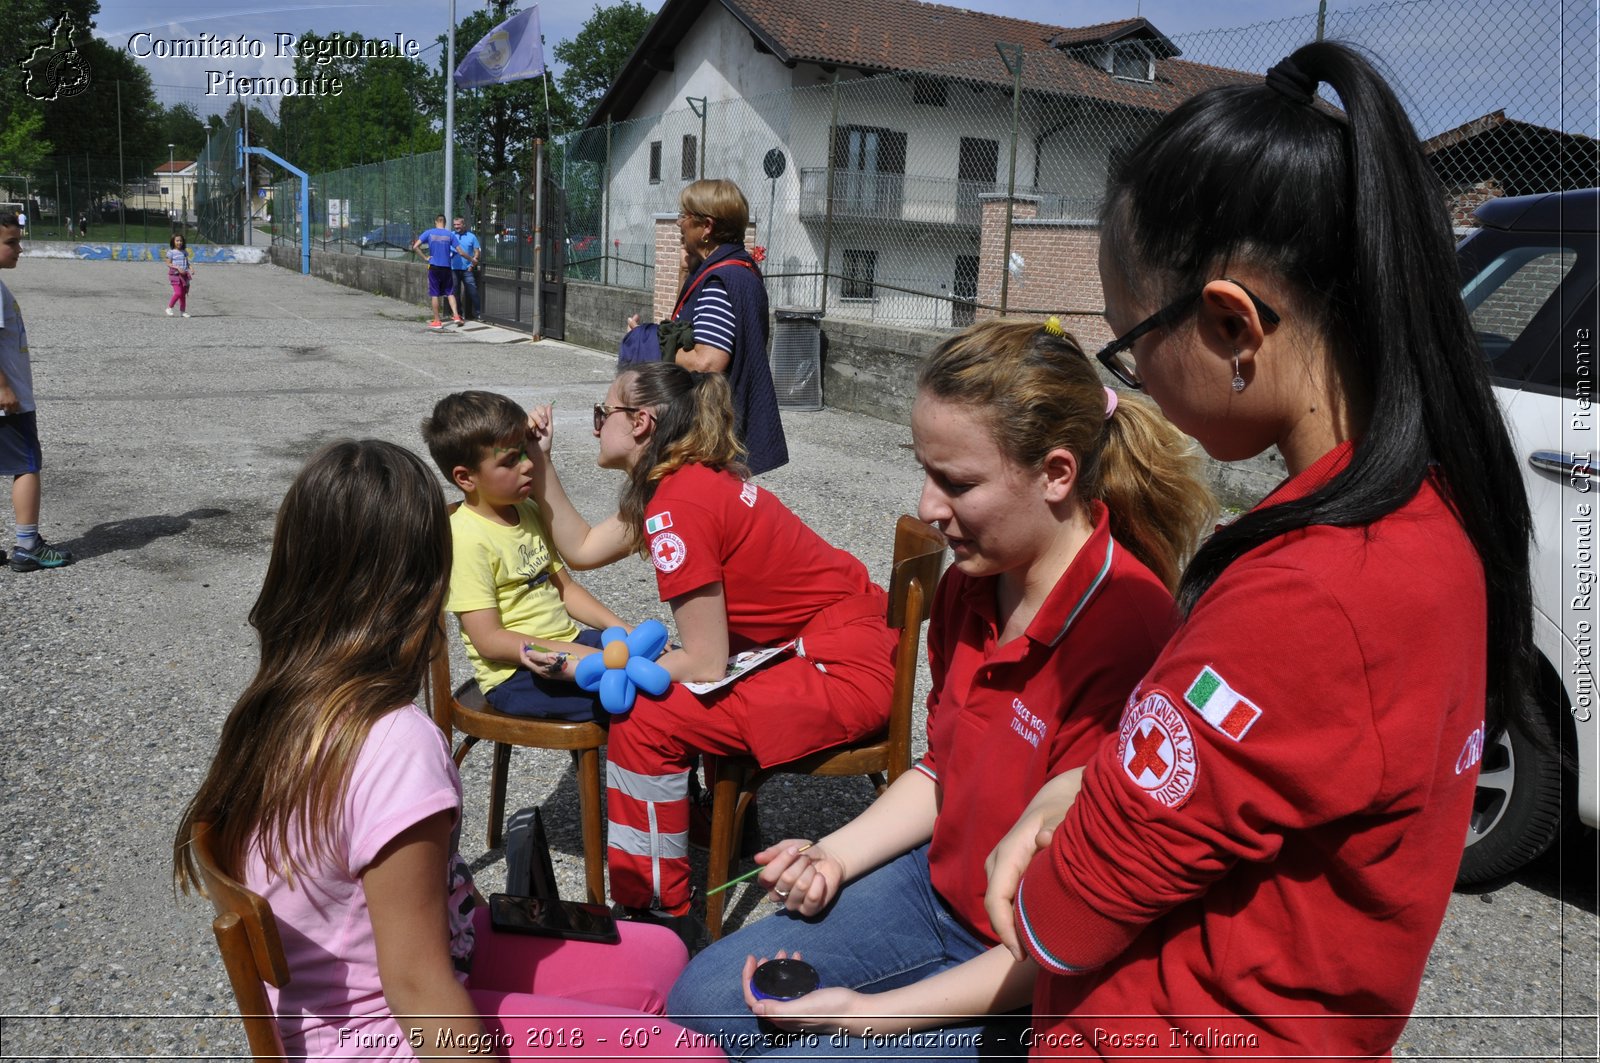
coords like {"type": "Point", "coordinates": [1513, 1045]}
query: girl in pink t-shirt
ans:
{"type": "Point", "coordinates": [180, 272]}
{"type": "Point", "coordinates": [335, 798]}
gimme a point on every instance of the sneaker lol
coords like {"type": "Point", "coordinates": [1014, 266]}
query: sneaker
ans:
{"type": "Point", "coordinates": [186, 313]}
{"type": "Point", "coordinates": [457, 320]}
{"type": "Point", "coordinates": [700, 826]}
{"type": "Point", "coordinates": [436, 324]}
{"type": "Point", "coordinates": [169, 311]}
{"type": "Point", "coordinates": [42, 556]}
{"type": "Point", "coordinates": [691, 929]}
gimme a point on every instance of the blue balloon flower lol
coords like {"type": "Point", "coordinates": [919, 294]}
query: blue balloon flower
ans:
{"type": "Point", "coordinates": [633, 666]}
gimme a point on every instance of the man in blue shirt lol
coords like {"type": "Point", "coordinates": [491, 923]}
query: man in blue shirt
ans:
{"type": "Point", "coordinates": [442, 243]}
{"type": "Point", "coordinates": [464, 264]}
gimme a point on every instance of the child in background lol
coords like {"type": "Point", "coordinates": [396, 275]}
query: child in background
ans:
{"type": "Point", "coordinates": [334, 797]}
{"type": "Point", "coordinates": [518, 606]}
{"type": "Point", "coordinates": [20, 456]}
{"type": "Point", "coordinates": [180, 271]}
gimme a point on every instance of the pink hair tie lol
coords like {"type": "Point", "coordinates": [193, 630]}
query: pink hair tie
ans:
{"type": "Point", "coordinates": [1111, 403]}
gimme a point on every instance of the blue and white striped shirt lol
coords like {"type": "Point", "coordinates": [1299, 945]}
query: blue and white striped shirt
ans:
{"type": "Point", "coordinates": [714, 322]}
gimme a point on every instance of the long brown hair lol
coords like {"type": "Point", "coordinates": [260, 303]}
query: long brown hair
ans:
{"type": "Point", "coordinates": [348, 616]}
{"type": "Point", "coordinates": [1039, 392]}
{"type": "Point", "coordinates": [694, 426]}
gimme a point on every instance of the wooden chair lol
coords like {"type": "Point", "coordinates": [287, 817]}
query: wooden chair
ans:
{"type": "Point", "coordinates": [464, 709]}
{"type": "Point", "coordinates": [247, 934]}
{"type": "Point", "coordinates": [918, 560]}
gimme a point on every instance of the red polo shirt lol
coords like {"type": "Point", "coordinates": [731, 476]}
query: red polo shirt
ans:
{"type": "Point", "coordinates": [704, 526]}
{"type": "Point", "coordinates": [1258, 864]}
{"type": "Point", "coordinates": [1004, 719]}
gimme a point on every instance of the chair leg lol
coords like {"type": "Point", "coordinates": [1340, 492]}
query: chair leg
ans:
{"type": "Point", "coordinates": [593, 835]}
{"type": "Point", "coordinates": [719, 861]}
{"type": "Point", "coordinates": [464, 748]}
{"type": "Point", "coordinates": [497, 793]}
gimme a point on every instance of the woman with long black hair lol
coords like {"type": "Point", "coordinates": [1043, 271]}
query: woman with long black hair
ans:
{"type": "Point", "coordinates": [1261, 858]}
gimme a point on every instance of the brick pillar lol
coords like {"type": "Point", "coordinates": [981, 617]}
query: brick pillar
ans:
{"type": "Point", "coordinates": [992, 244]}
{"type": "Point", "coordinates": [669, 244]}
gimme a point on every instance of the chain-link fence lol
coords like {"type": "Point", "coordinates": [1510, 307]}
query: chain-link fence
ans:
{"type": "Point", "coordinates": [886, 198]}
{"type": "Point", "coordinates": [135, 195]}
{"type": "Point", "coordinates": [374, 209]}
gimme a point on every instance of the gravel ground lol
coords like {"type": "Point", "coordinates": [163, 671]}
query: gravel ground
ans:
{"type": "Point", "coordinates": [168, 446]}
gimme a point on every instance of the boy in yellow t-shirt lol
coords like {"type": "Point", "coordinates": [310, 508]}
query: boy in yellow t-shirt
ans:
{"type": "Point", "coordinates": [518, 605]}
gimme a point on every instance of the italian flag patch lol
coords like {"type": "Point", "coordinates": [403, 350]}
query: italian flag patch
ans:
{"type": "Point", "coordinates": [1220, 705]}
{"type": "Point", "coordinates": [659, 522]}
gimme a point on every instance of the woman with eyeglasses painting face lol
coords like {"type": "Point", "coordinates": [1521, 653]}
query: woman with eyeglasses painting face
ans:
{"type": "Point", "coordinates": [1261, 858]}
{"type": "Point", "coordinates": [1069, 511]}
{"type": "Point", "coordinates": [739, 570]}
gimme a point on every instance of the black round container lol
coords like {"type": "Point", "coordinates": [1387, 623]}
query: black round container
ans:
{"type": "Point", "coordinates": [783, 980]}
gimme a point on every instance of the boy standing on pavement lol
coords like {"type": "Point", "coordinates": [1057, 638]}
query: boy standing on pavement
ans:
{"type": "Point", "coordinates": [442, 243]}
{"type": "Point", "coordinates": [20, 457]}
{"type": "Point", "coordinates": [464, 264]}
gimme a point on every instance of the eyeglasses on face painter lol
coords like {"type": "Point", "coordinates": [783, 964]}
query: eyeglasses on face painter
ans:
{"type": "Point", "coordinates": [602, 411]}
{"type": "Point", "coordinates": [1117, 356]}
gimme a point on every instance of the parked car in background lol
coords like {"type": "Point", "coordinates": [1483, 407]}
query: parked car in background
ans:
{"type": "Point", "coordinates": [1529, 281]}
{"type": "Point", "coordinates": [392, 234]}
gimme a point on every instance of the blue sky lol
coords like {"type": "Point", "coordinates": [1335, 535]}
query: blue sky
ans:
{"type": "Point", "coordinates": [1452, 61]}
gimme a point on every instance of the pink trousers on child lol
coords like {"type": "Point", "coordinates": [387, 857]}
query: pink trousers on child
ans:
{"type": "Point", "coordinates": [180, 290]}
{"type": "Point", "coordinates": [547, 998]}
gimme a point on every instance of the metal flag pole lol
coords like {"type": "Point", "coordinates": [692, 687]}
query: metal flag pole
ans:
{"type": "Point", "coordinates": [450, 118]}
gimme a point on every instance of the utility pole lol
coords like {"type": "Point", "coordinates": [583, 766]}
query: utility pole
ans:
{"type": "Point", "coordinates": [248, 227]}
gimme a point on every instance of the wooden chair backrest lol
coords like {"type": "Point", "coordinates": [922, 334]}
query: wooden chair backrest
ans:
{"type": "Point", "coordinates": [247, 935]}
{"type": "Point", "coordinates": [918, 560]}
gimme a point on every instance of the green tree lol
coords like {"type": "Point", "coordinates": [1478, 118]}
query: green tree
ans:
{"type": "Point", "coordinates": [382, 111]}
{"type": "Point", "coordinates": [181, 126]}
{"type": "Point", "coordinates": [595, 57]}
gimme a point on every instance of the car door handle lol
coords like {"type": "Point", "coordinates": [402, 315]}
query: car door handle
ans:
{"type": "Point", "coordinates": [1563, 463]}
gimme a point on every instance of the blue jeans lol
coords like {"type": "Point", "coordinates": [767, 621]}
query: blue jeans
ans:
{"type": "Point", "coordinates": [886, 930]}
{"type": "Point", "coordinates": [467, 293]}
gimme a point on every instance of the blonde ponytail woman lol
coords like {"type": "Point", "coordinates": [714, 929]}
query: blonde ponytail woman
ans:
{"type": "Point", "coordinates": [1070, 509]}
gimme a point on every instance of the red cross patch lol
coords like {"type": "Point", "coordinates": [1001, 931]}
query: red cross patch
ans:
{"type": "Point", "coordinates": [668, 552]}
{"type": "Point", "coordinates": [1157, 751]}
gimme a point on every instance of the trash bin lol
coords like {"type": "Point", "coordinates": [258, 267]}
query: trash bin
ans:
{"type": "Point", "coordinates": [797, 358]}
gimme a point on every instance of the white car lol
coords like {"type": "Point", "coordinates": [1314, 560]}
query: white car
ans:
{"type": "Point", "coordinates": [1529, 281]}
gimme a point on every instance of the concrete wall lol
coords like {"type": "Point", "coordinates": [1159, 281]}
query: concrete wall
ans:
{"type": "Point", "coordinates": [405, 279]}
{"type": "Point", "coordinates": [596, 314]}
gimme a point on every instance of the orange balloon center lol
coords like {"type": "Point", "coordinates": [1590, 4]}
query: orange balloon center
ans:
{"type": "Point", "coordinates": [615, 655]}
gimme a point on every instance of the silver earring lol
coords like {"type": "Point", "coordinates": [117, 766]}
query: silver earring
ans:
{"type": "Point", "coordinates": [1238, 381]}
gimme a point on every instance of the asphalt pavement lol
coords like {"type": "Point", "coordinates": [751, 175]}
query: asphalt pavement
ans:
{"type": "Point", "coordinates": [168, 446]}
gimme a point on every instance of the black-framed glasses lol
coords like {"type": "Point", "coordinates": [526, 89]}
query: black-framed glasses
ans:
{"type": "Point", "coordinates": [1117, 356]}
{"type": "Point", "coordinates": [602, 411]}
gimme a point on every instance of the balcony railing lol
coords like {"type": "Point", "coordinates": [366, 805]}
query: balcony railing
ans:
{"type": "Point", "coordinates": [865, 196]}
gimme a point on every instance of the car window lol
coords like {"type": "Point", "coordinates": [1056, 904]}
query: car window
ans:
{"type": "Point", "coordinates": [1519, 289]}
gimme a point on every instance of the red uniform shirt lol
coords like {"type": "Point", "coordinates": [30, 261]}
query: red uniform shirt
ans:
{"type": "Point", "coordinates": [1258, 865]}
{"type": "Point", "coordinates": [1004, 719]}
{"type": "Point", "coordinates": [705, 526]}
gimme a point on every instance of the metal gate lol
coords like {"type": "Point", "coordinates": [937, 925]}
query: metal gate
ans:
{"type": "Point", "coordinates": [508, 284]}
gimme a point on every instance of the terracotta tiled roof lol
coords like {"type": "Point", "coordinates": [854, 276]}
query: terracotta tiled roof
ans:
{"type": "Point", "coordinates": [175, 167]}
{"type": "Point", "coordinates": [896, 34]}
{"type": "Point", "coordinates": [906, 35]}
{"type": "Point", "coordinates": [873, 36]}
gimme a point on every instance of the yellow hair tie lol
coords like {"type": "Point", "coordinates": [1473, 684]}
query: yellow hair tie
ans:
{"type": "Point", "coordinates": [1053, 326]}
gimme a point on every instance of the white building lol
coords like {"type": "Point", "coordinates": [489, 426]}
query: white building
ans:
{"type": "Point", "coordinates": [908, 155]}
